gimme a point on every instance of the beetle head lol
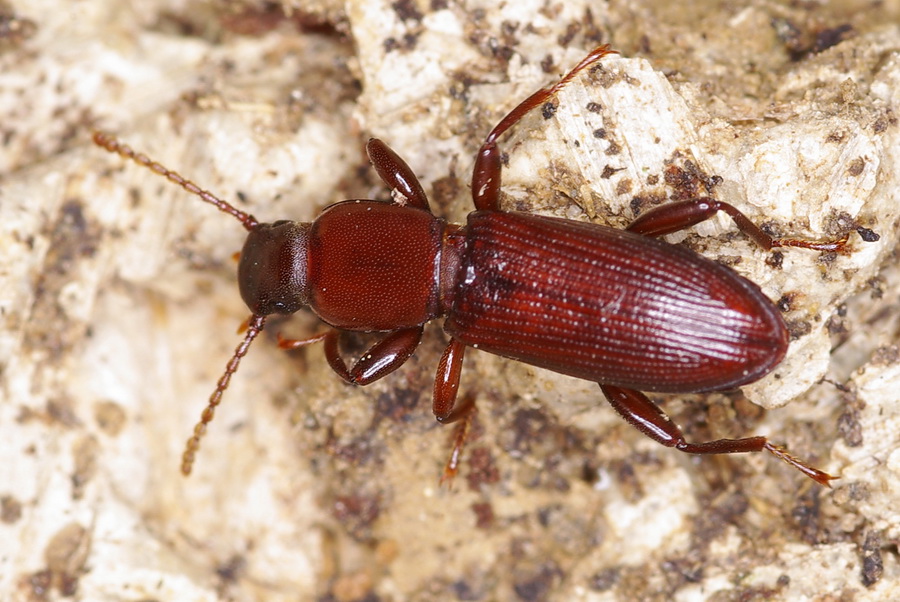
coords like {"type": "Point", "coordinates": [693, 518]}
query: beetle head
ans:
{"type": "Point", "coordinates": [272, 270]}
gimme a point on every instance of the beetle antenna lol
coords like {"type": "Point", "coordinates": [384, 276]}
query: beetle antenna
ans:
{"type": "Point", "coordinates": [254, 326]}
{"type": "Point", "coordinates": [112, 144]}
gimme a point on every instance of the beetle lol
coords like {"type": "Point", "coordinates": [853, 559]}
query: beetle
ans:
{"type": "Point", "coordinates": [617, 307]}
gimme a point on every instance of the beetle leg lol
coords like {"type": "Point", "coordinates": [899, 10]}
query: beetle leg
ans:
{"type": "Point", "coordinates": [637, 409]}
{"type": "Point", "coordinates": [379, 360]}
{"type": "Point", "coordinates": [486, 175]}
{"type": "Point", "coordinates": [446, 410]}
{"type": "Point", "coordinates": [672, 217]}
{"type": "Point", "coordinates": [394, 172]}
{"type": "Point", "coordinates": [290, 344]}
{"type": "Point", "coordinates": [466, 411]}
{"type": "Point", "coordinates": [446, 384]}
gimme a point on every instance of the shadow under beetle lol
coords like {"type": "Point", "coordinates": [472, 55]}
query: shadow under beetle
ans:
{"type": "Point", "coordinates": [617, 307]}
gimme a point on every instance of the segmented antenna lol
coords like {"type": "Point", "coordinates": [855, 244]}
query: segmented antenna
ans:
{"type": "Point", "coordinates": [254, 327]}
{"type": "Point", "coordinates": [112, 144]}
{"type": "Point", "coordinates": [254, 323]}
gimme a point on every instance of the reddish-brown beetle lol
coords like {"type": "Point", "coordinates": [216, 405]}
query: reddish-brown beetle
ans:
{"type": "Point", "coordinates": [617, 307]}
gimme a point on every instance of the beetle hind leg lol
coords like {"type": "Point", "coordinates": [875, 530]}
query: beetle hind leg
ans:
{"type": "Point", "coordinates": [674, 217]}
{"type": "Point", "coordinates": [637, 409]}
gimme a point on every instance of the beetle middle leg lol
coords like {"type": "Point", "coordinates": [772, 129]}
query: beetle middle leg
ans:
{"type": "Point", "coordinates": [486, 175]}
{"type": "Point", "coordinates": [637, 409]}
{"type": "Point", "coordinates": [672, 217]}
{"type": "Point", "coordinates": [445, 408]}
{"type": "Point", "coordinates": [386, 356]}
{"type": "Point", "coordinates": [464, 414]}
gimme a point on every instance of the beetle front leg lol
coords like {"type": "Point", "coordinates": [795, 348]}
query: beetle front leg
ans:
{"type": "Point", "coordinates": [394, 172]}
{"type": "Point", "coordinates": [378, 361]}
{"type": "Point", "coordinates": [637, 409]}
{"type": "Point", "coordinates": [291, 344]}
{"type": "Point", "coordinates": [673, 217]}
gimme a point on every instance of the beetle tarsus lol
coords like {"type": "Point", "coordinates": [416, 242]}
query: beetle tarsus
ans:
{"type": "Point", "coordinates": [821, 477]}
{"type": "Point", "coordinates": [460, 438]}
{"type": "Point", "coordinates": [286, 344]}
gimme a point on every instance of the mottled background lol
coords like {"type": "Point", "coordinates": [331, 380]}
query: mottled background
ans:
{"type": "Point", "coordinates": [119, 305]}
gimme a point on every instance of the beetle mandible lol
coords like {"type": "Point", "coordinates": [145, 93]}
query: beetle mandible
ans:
{"type": "Point", "coordinates": [617, 307]}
